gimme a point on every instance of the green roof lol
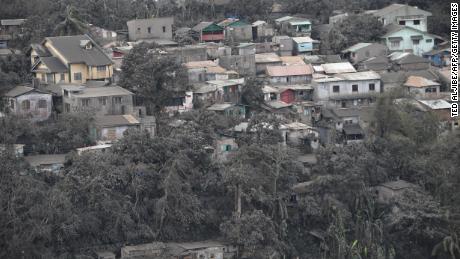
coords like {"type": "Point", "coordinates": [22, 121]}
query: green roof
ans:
{"type": "Point", "coordinates": [238, 24]}
{"type": "Point", "coordinates": [212, 28]}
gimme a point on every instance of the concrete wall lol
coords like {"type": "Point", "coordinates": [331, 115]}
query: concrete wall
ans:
{"type": "Point", "coordinates": [96, 105]}
{"type": "Point", "coordinates": [406, 44]}
{"type": "Point", "coordinates": [290, 79]}
{"type": "Point", "coordinates": [239, 33]}
{"type": "Point", "coordinates": [35, 113]}
{"type": "Point", "coordinates": [244, 65]}
{"type": "Point", "coordinates": [324, 91]}
{"type": "Point", "coordinates": [160, 28]}
{"type": "Point", "coordinates": [402, 15]}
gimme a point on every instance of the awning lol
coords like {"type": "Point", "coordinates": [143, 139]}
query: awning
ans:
{"type": "Point", "coordinates": [417, 37]}
{"type": "Point", "coordinates": [395, 38]}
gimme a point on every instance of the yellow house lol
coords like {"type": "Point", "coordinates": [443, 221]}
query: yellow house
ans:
{"type": "Point", "coordinates": [70, 59]}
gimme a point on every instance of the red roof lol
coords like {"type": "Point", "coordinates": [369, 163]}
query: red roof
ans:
{"type": "Point", "coordinates": [294, 70]}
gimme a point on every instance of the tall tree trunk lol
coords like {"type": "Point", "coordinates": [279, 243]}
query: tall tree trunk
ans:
{"type": "Point", "coordinates": [238, 201]}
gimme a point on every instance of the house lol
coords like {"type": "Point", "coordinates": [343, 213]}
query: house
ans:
{"type": "Point", "coordinates": [209, 32]}
{"type": "Point", "coordinates": [30, 102]}
{"type": "Point", "coordinates": [180, 102]}
{"type": "Point", "coordinates": [101, 148]}
{"type": "Point", "coordinates": [102, 100]}
{"type": "Point", "coordinates": [266, 59]}
{"type": "Point", "coordinates": [236, 30]}
{"type": "Point", "coordinates": [405, 15]}
{"type": "Point", "coordinates": [229, 109]}
{"type": "Point", "coordinates": [16, 149]}
{"type": "Point", "coordinates": [317, 60]}
{"type": "Point", "coordinates": [201, 71]}
{"type": "Point", "coordinates": [294, 26]}
{"type": "Point", "coordinates": [153, 28]}
{"type": "Point", "coordinates": [47, 163]}
{"type": "Point", "coordinates": [10, 29]}
{"type": "Point", "coordinates": [202, 250]}
{"type": "Point", "coordinates": [442, 109]}
{"type": "Point", "coordinates": [150, 250]}
{"type": "Point", "coordinates": [407, 39]}
{"type": "Point", "coordinates": [352, 133]}
{"type": "Point", "coordinates": [348, 89]}
{"type": "Point", "coordinates": [337, 68]}
{"type": "Point", "coordinates": [244, 65]}
{"type": "Point", "coordinates": [224, 147]}
{"type": "Point", "coordinates": [285, 45]}
{"type": "Point", "coordinates": [408, 62]}
{"type": "Point", "coordinates": [107, 38]}
{"type": "Point", "coordinates": [422, 87]}
{"type": "Point", "coordinates": [305, 45]}
{"type": "Point", "coordinates": [188, 53]}
{"type": "Point", "coordinates": [439, 57]}
{"type": "Point", "coordinates": [295, 93]}
{"type": "Point", "coordinates": [364, 51]}
{"type": "Point", "coordinates": [219, 91]}
{"type": "Point", "coordinates": [112, 127]}
{"type": "Point", "coordinates": [280, 109]}
{"type": "Point", "coordinates": [262, 31]}
{"type": "Point", "coordinates": [300, 134]}
{"type": "Point", "coordinates": [295, 74]}
{"type": "Point", "coordinates": [105, 255]}
{"type": "Point", "coordinates": [270, 93]}
{"type": "Point", "coordinates": [70, 59]}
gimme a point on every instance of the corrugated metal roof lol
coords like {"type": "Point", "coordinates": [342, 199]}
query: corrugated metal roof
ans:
{"type": "Point", "coordinates": [54, 65]}
{"type": "Point", "coordinates": [408, 10]}
{"type": "Point", "coordinates": [258, 23]}
{"type": "Point", "coordinates": [267, 58]}
{"type": "Point", "coordinates": [219, 106]}
{"type": "Point", "coordinates": [20, 90]}
{"type": "Point", "coordinates": [12, 22]}
{"type": "Point", "coordinates": [38, 160]}
{"type": "Point", "coordinates": [303, 39]}
{"type": "Point", "coordinates": [365, 75]}
{"type": "Point", "coordinates": [295, 70]}
{"type": "Point", "coordinates": [292, 60]}
{"type": "Point", "coordinates": [418, 81]}
{"type": "Point", "coordinates": [116, 120]}
{"type": "Point", "coordinates": [102, 91]}
{"type": "Point", "coordinates": [200, 64]}
{"type": "Point", "coordinates": [436, 104]}
{"type": "Point", "coordinates": [229, 82]}
{"type": "Point", "coordinates": [356, 47]}
{"type": "Point", "coordinates": [338, 68]}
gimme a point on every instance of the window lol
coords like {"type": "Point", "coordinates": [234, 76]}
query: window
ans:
{"type": "Point", "coordinates": [371, 87]}
{"type": "Point", "coordinates": [85, 102]}
{"type": "Point", "coordinates": [336, 89]}
{"type": "Point", "coordinates": [103, 101]}
{"type": "Point", "coordinates": [25, 105]}
{"type": "Point", "coordinates": [67, 107]}
{"type": "Point", "coordinates": [430, 90]}
{"type": "Point", "coordinates": [66, 93]}
{"type": "Point", "coordinates": [117, 100]}
{"type": "Point", "coordinates": [62, 77]}
{"type": "Point", "coordinates": [101, 68]}
{"type": "Point", "coordinates": [343, 104]}
{"type": "Point", "coordinates": [415, 42]}
{"type": "Point", "coordinates": [138, 31]}
{"type": "Point", "coordinates": [77, 76]}
{"type": "Point", "coordinates": [354, 88]}
{"type": "Point", "coordinates": [394, 44]}
{"type": "Point", "coordinates": [428, 40]}
{"type": "Point", "coordinates": [164, 29]}
{"type": "Point", "coordinates": [149, 30]}
{"type": "Point", "coordinates": [416, 22]}
{"type": "Point", "coordinates": [42, 104]}
{"type": "Point", "coordinates": [12, 104]}
{"type": "Point", "coordinates": [402, 22]}
{"type": "Point", "coordinates": [348, 122]}
{"type": "Point", "coordinates": [49, 78]}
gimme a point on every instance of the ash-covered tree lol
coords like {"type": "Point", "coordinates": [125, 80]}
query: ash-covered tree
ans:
{"type": "Point", "coordinates": [156, 79]}
{"type": "Point", "coordinates": [354, 29]}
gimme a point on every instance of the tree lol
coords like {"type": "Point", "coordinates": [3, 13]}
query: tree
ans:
{"type": "Point", "coordinates": [354, 29]}
{"type": "Point", "coordinates": [71, 23]}
{"type": "Point", "coordinates": [156, 79]}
